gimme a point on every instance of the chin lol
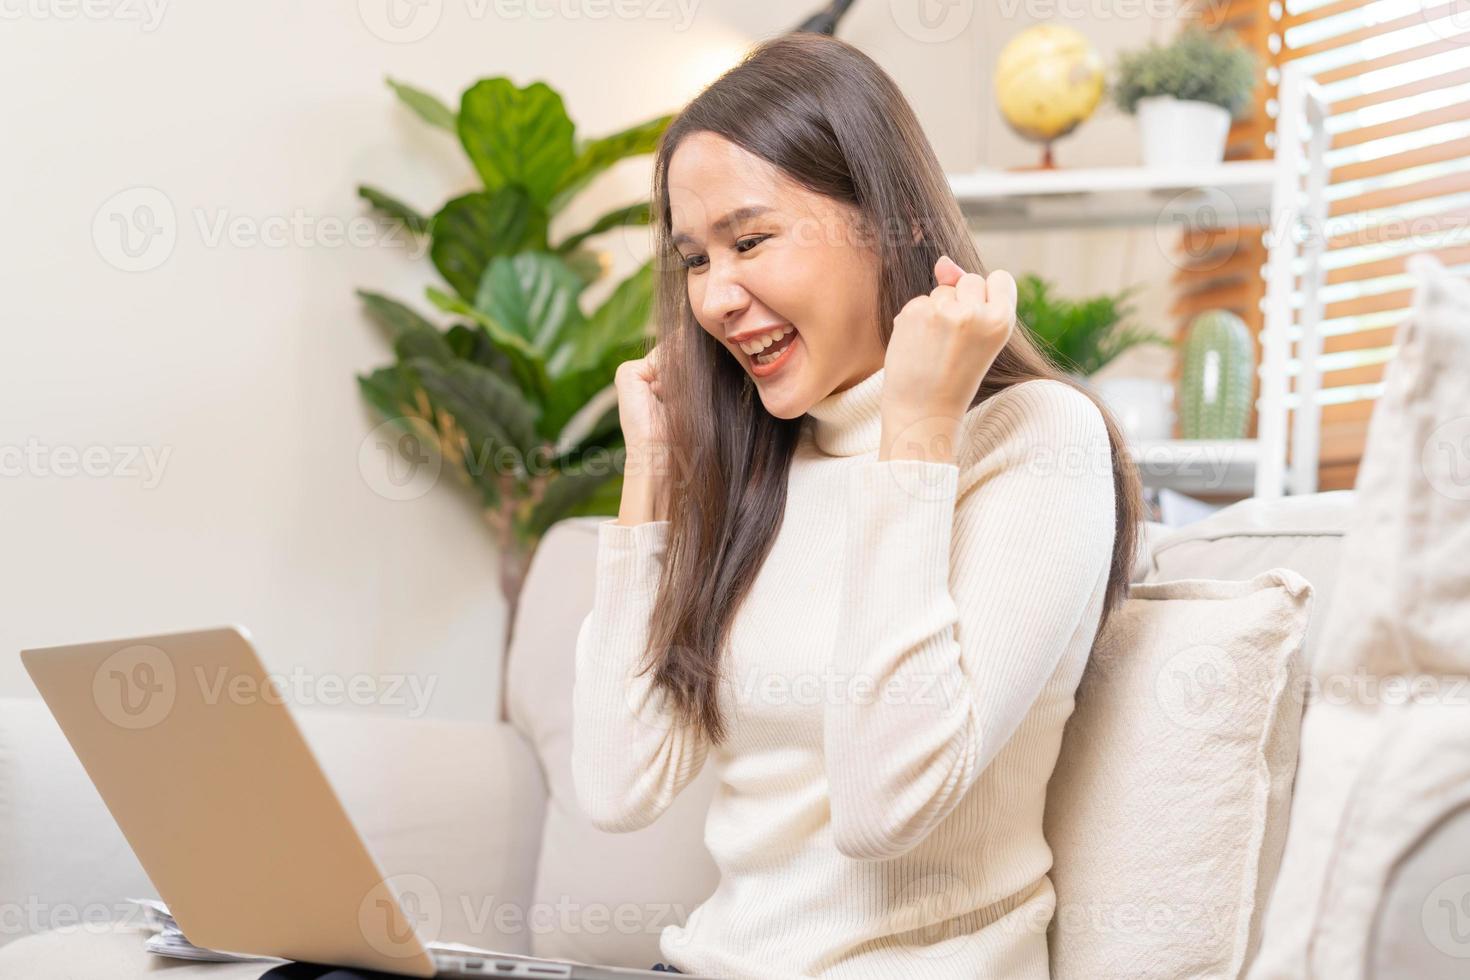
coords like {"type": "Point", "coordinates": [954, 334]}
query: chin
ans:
{"type": "Point", "coordinates": [783, 401]}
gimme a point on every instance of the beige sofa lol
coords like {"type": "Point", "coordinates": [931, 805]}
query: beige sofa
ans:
{"type": "Point", "coordinates": [482, 818]}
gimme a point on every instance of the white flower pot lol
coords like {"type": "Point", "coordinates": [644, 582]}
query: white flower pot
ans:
{"type": "Point", "coordinates": [1182, 132]}
{"type": "Point", "coordinates": [1144, 407]}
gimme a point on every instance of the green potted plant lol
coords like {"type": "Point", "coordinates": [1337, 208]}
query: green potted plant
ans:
{"type": "Point", "coordinates": [1083, 336]}
{"type": "Point", "coordinates": [516, 392]}
{"type": "Point", "coordinates": [1185, 93]}
{"type": "Point", "coordinates": [1080, 336]}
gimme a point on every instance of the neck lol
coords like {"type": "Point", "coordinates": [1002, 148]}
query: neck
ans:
{"type": "Point", "coordinates": [850, 422]}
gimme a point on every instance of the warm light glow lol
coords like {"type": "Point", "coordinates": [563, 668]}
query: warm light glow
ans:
{"type": "Point", "coordinates": [702, 62]}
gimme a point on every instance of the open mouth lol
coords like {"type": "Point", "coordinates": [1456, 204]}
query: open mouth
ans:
{"type": "Point", "coordinates": [771, 358]}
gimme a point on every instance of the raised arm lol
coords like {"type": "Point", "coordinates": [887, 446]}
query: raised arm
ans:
{"type": "Point", "coordinates": [629, 760]}
{"type": "Point", "coordinates": [963, 585]}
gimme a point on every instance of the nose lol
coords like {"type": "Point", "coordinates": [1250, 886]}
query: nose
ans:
{"type": "Point", "coordinates": [724, 296]}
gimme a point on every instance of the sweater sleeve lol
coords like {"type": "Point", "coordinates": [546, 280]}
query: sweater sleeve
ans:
{"type": "Point", "coordinates": [963, 584]}
{"type": "Point", "coordinates": [629, 760]}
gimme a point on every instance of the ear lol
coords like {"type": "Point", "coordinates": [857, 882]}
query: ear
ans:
{"type": "Point", "coordinates": [918, 234]}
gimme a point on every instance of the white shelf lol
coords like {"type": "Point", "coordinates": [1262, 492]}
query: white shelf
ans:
{"type": "Point", "coordinates": [1270, 193]}
{"type": "Point", "coordinates": [1227, 194]}
{"type": "Point", "coordinates": [1208, 466]}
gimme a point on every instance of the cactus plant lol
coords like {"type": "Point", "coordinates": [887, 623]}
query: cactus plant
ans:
{"type": "Point", "coordinates": [1215, 385]}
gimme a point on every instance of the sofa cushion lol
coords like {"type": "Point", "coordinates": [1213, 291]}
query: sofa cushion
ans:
{"type": "Point", "coordinates": [1424, 918]}
{"type": "Point", "coordinates": [1166, 812]}
{"type": "Point", "coordinates": [1384, 756]}
{"type": "Point", "coordinates": [599, 897]}
{"type": "Point", "coordinates": [1302, 533]}
{"type": "Point", "coordinates": [1150, 533]}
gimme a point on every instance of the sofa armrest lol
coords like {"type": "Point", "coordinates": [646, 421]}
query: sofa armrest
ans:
{"type": "Point", "coordinates": [1420, 929]}
{"type": "Point", "coordinates": [456, 808]}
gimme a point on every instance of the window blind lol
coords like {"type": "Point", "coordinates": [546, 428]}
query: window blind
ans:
{"type": "Point", "coordinates": [1396, 74]}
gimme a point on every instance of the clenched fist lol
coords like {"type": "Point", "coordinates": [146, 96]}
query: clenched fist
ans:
{"type": "Point", "coordinates": [641, 410]}
{"type": "Point", "coordinates": [941, 347]}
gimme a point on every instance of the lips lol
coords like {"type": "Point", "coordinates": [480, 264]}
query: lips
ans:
{"type": "Point", "coordinates": [786, 350]}
{"type": "Point", "coordinates": [777, 347]}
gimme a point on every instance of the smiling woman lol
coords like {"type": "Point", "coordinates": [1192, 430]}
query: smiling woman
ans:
{"type": "Point", "coordinates": [776, 256]}
{"type": "Point", "coordinates": [875, 537]}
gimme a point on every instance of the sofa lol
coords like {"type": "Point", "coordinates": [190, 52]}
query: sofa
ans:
{"type": "Point", "coordinates": [482, 817]}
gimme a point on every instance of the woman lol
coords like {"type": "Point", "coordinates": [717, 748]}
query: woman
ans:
{"type": "Point", "coordinates": [867, 536]}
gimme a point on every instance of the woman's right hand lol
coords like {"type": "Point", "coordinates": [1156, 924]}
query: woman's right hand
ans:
{"type": "Point", "coordinates": [640, 404]}
{"type": "Point", "coordinates": [645, 432]}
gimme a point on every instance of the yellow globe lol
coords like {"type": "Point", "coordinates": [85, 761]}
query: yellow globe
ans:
{"type": "Point", "coordinates": [1047, 80]}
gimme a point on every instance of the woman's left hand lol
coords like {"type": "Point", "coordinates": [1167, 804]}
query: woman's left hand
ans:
{"type": "Point", "coordinates": [941, 347]}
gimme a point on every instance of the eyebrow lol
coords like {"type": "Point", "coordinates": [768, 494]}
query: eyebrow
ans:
{"type": "Point", "coordinates": [737, 215]}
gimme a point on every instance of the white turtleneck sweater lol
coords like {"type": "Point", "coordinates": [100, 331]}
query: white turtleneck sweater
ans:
{"type": "Point", "coordinates": [895, 688]}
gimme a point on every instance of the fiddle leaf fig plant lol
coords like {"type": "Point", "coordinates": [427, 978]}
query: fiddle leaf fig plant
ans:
{"type": "Point", "coordinates": [515, 390]}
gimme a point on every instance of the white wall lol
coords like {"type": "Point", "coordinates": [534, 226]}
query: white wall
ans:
{"type": "Point", "coordinates": [231, 360]}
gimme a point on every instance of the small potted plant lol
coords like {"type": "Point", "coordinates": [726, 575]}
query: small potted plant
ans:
{"type": "Point", "coordinates": [1185, 93]}
{"type": "Point", "coordinates": [1083, 336]}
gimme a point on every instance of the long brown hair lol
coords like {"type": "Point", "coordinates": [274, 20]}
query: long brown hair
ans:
{"type": "Point", "coordinates": [828, 117]}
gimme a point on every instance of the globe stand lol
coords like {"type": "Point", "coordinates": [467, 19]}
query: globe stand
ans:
{"type": "Point", "coordinates": [1048, 162]}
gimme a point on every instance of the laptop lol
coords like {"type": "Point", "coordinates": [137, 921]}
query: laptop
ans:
{"type": "Point", "coordinates": [200, 762]}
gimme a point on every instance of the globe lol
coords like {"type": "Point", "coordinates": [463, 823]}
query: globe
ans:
{"type": "Point", "coordinates": [1048, 79]}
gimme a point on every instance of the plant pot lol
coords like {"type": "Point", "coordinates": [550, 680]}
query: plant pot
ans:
{"type": "Point", "coordinates": [1181, 132]}
{"type": "Point", "coordinates": [1144, 407]}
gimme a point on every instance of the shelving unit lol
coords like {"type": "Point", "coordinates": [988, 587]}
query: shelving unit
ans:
{"type": "Point", "coordinates": [1288, 196]}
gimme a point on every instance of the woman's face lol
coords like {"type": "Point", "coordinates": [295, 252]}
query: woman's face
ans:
{"type": "Point", "coordinates": [761, 254]}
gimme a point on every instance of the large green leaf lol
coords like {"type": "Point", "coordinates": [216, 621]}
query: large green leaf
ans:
{"type": "Point", "coordinates": [633, 214]}
{"type": "Point", "coordinates": [532, 294]}
{"type": "Point", "coordinates": [395, 393]}
{"type": "Point", "coordinates": [517, 136]}
{"type": "Point", "coordinates": [621, 322]}
{"type": "Point", "coordinates": [470, 342]}
{"type": "Point", "coordinates": [426, 106]}
{"type": "Point", "coordinates": [474, 228]}
{"type": "Point", "coordinates": [564, 493]}
{"type": "Point", "coordinates": [491, 412]}
{"type": "Point", "coordinates": [394, 208]}
{"type": "Point", "coordinates": [597, 155]}
{"type": "Point", "coordinates": [605, 501]}
{"type": "Point", "coordinates": [392, 393]}
{"type": "Point", "coordinates": [568, 395]}
{"type": "Point", "coordinates": [411, 334]}
{"type": "Point", "coordinates": [529, 370]}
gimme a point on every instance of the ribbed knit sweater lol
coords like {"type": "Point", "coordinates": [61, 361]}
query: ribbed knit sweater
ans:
{"type": "Point", "coordinates": [895, 688]}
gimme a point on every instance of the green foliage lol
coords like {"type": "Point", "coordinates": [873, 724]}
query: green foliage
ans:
{"type": "Point", "coordinates": [508, 392]}
{"type": "Point", "coordinates": [1196, 65]}
{"type": "Point", "coordinates": [1079, 335]}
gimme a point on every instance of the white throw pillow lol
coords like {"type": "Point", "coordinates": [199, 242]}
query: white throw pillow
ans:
{"type": "Point", "coordinates": [1166, 813]}
{"type": "Point", "coordinates": [1385, 750]}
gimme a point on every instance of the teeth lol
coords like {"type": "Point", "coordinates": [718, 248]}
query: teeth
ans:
{"type": "Point", "coordinates": [772, 356]}
{"type": "Point", "coordinates": [757, 344]}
